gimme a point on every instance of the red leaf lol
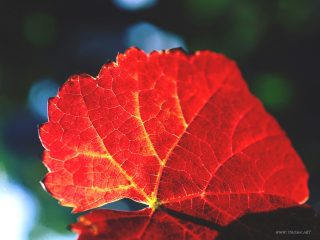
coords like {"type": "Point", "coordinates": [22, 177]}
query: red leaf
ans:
{"type": "Point", "coordinates": [170, 130]}
{"type": "Point", "coordinates": [143, 224]}
{"type": "Point", "coordinates": [107, 224]}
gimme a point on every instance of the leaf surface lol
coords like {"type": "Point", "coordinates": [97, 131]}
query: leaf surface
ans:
{"type": "Point", "coordinates": [174, 131]}
{"type": "Point", "coordinates": [299, 222]}
{"type": "Point", "coordinates": [143, 224]}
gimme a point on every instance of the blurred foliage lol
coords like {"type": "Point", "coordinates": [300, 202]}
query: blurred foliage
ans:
{"type": "Point", "coordinates": [39, 29]}
{"type": "Point", "coordinates": [294, 14]}
{"type": "Point", "coordinates": [276, 44]}
{"type": "Point", "coordinates": [206, 11]}
{"type": "Point", "coordinates": [274, 91]}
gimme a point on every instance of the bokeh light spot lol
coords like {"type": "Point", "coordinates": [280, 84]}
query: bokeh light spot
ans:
{"type": "Point", "coordinates": [134, 4]}
{"type": "Point", "coordinates": [205, 10]}
{"type": "Point", "coordinates": [50, 235]}
{"type": "Point", "coordinates": [245, 30]}
{"type": "Point", "coordinates": [294, 14]}
{"type": "Point", "coordinates": [18, 210]}
{"type": "Point", "coordinates": [149, 37]}
{"type": "Point", "coordinates": [275, 91]}
{"type": "Point", "coordinates": [39, 29]}
{"type": "Point", "coordinates": [38, 96]}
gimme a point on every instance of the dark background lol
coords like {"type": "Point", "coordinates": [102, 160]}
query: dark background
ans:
{"type": "Point", "coordinates": [275, 42]}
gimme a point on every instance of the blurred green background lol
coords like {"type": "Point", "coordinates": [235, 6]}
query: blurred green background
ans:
{"type": "Point", "coordinates": [275, 42]}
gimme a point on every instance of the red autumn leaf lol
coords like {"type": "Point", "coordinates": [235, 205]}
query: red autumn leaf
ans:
{"type": "Point", "coordinates": [107, 224]}
{"type": "Point", "coordinates": [143, 224]}
{"type": "Point", "coordinates": [179, 133]}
